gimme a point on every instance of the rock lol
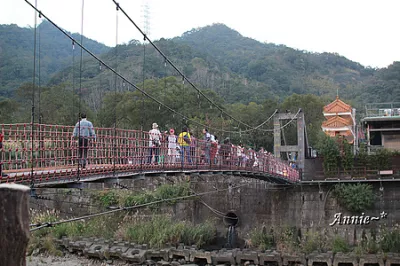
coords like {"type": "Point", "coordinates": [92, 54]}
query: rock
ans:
{"type": "Point", "coordinates": [175, 263]}
{"type": "Point", "coordinates": [36, 252]}
{"type": "Point", "coordinates": [150, 262]}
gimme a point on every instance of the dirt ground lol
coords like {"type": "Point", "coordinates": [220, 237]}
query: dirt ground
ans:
{"type": "Point", "coordinates": [68, 260]}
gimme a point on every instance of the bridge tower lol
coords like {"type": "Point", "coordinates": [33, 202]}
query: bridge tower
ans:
{"type": "Point", "coordinates": [300, 148]}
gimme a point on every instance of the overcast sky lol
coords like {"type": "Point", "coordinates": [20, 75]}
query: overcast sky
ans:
{"type": "Point", "coordinates": [364, 31]}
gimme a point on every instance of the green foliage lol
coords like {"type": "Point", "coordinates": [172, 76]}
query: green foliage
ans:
{"type": "Point", "coordinates": [355, 197]}
{"type": "Point", "coordinates": [247, 78]}
{"type": "Point", "coordinates": [261, 239]}
{"type": "Point", "coordinates": [161, 230]}
{"type": "Point", "coordinates": [156, 232]}
{"type": "Point", "coordinates": [312, 241]}
{"type": "Point", "coordinates": [126, 198]}
{"type": "Point", "coordinates": [163, 192]}
{"type": "Point", "coordinates": [347, 158]}
{"type": "Point", "coordinates": [339, 244]}
{"type": "Point", "coordinates": [107, 197]}
{"type": "Point", "coordinates": [381, 159]}
{"type": "Point", "coordinates": [390, 240]}
{"type": "Point", "coordinates": [362, 156]}
{"type": "Point", "coordinates": [288, 239]}
{"type": "Point", "coordinates": [329, 149]}
{"type": "Point", "coordinates": [369, 243]}
{"type": "Point", "coordinates": [16, 65]}
{"type": "Point", "coordinates": [311, 106]}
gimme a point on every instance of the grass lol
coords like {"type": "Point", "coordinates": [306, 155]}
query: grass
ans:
{"type": "Point", "coordinates": [156, 232]}
{"type": "Point", "coordinates": [160, 231]}
{"type": "Point", "coordinates": [261, 239]}
{"type": "Point", "coordinates": [126, 198]}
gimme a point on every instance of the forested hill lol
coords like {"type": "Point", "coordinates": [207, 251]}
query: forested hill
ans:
{"type": "Point", "coordinates": [283, 69]}
{"type": "Point", "coordinates": [16, 54]}
{"type": "Point", "coordinates": [239, 69]}
{"type": "Point", "coordinates": [248, 78]}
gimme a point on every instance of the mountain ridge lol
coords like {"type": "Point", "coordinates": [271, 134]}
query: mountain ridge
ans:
{"type": "Point", "coordinates": [16, 54]}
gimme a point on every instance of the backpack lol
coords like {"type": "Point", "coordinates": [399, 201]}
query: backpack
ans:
{"type": "Point", "coordinates": [186, 139]}
{"type": "Point", "coordinates": [157, 143]}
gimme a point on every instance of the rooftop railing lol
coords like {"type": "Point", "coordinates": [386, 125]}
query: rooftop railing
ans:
{"type": "Point", "coordinates": [382, 109]}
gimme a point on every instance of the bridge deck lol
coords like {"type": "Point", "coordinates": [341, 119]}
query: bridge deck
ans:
{"type": "Point", "coordinates": [65, 175]}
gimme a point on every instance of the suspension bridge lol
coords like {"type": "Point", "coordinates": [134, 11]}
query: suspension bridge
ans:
{"type": "Point", "coordinates": [40, 154]}
{"type": "Point", "coordinates": [51, 156]}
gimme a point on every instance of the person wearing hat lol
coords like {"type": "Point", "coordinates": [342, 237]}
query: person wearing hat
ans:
{"type": "Point", "coordinates": [172, 140]}
{"type": "Point", "coordinates": [154, 143]}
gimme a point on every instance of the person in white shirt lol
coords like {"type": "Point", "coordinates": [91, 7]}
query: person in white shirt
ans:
{"type": "Point", "coordinates": [154, 143]}
{"type": "Point", "coordinates": [207, 143]}
{"type": "Point", "coordinates": [172, 140]}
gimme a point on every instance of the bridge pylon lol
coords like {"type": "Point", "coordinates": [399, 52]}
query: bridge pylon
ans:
{"type": "Point", "coordinates": [300, 147]}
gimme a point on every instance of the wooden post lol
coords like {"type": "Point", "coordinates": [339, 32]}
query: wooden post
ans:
{"type": "Point", "coordinates": [14, 224]}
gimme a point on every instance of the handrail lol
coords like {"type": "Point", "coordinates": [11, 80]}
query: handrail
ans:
{"type": "Point", "coordinates": [56, 152]}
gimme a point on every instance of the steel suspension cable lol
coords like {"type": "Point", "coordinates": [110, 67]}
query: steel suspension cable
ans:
{"type": "Point", "coordinates": [73, 98]}
{"type": "Point", "coordinates": [176, 68]}
{"type": "Point", "coordinates": [39, 100]}
{"type": "Point", "coordinates": [142, 111]}
{"type": "Point", "coordinates": [114, 139]}
{"type": "Point", "coordinates": [80, 142]}
{"type": "Point", "coordinates": [125, 79]}
{"type": "Point", "coordinates": [33, 100]}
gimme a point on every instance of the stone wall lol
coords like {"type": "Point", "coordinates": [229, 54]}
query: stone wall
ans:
{"type": "Point", "coordinates": [256, 203]}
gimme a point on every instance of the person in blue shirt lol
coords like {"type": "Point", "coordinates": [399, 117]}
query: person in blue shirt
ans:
{"type": "Point", "coordinates": [84, 131]}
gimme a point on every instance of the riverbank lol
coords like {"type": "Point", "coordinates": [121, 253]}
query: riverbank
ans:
{"type": "Point", "coordinates": [69, 260]}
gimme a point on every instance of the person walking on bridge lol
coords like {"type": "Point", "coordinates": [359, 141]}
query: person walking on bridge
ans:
{"type": "Point", "coordinates": [184, 141]}
{"type": "Point", "coordinates": [207, 145]}
{"type": "Point", "coordinates": [154, 144]}
{"type": "Point", "coordinates": [172, 145]}
{"type": "Point", "coordinates": [83, 131]}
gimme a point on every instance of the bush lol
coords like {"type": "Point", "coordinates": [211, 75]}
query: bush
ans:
{"type": "Point", "coordinates": [312, 241]}
{"type": "Point", "coordinates": [339, 244]}
{"type": "Point", "coordinates": [355, 198]}
{"type": "Point", "coordinates": [107, 198]}
{"type": "Point", "coordinates": [381, 160]}
{"type": "Point", "coordinates": [261, 239]}
{"type": "Point", "coordinates": [390, 240]}
{"type": "Point", "coordinates": [329, 149]}
{"type": "Point", "coordinates": [131, 198]}
{"type": "Point", "coordinates": [162, 230]}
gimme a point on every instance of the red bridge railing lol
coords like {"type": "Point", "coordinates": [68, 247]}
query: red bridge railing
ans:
{"type": "Point", "coordinates": [49, 152]}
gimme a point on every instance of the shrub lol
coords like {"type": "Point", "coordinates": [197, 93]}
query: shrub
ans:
{"type": "Point", "coordinates": [261, 239]}
{"type": "Point", "coordinates": [339, 244]}
{"type": "Point", "coordinates": [107, 198]}
{"type": "Point", "coordinates": [355, 198]}
{"type": "Point", "coordinates": [312, 241]}
{"type": "Point", "coordinates": [162, 230]}
{"type": "Point", "coordinates": [329, 149]}
{"type": "Point", "coordinates": [390, 240]}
